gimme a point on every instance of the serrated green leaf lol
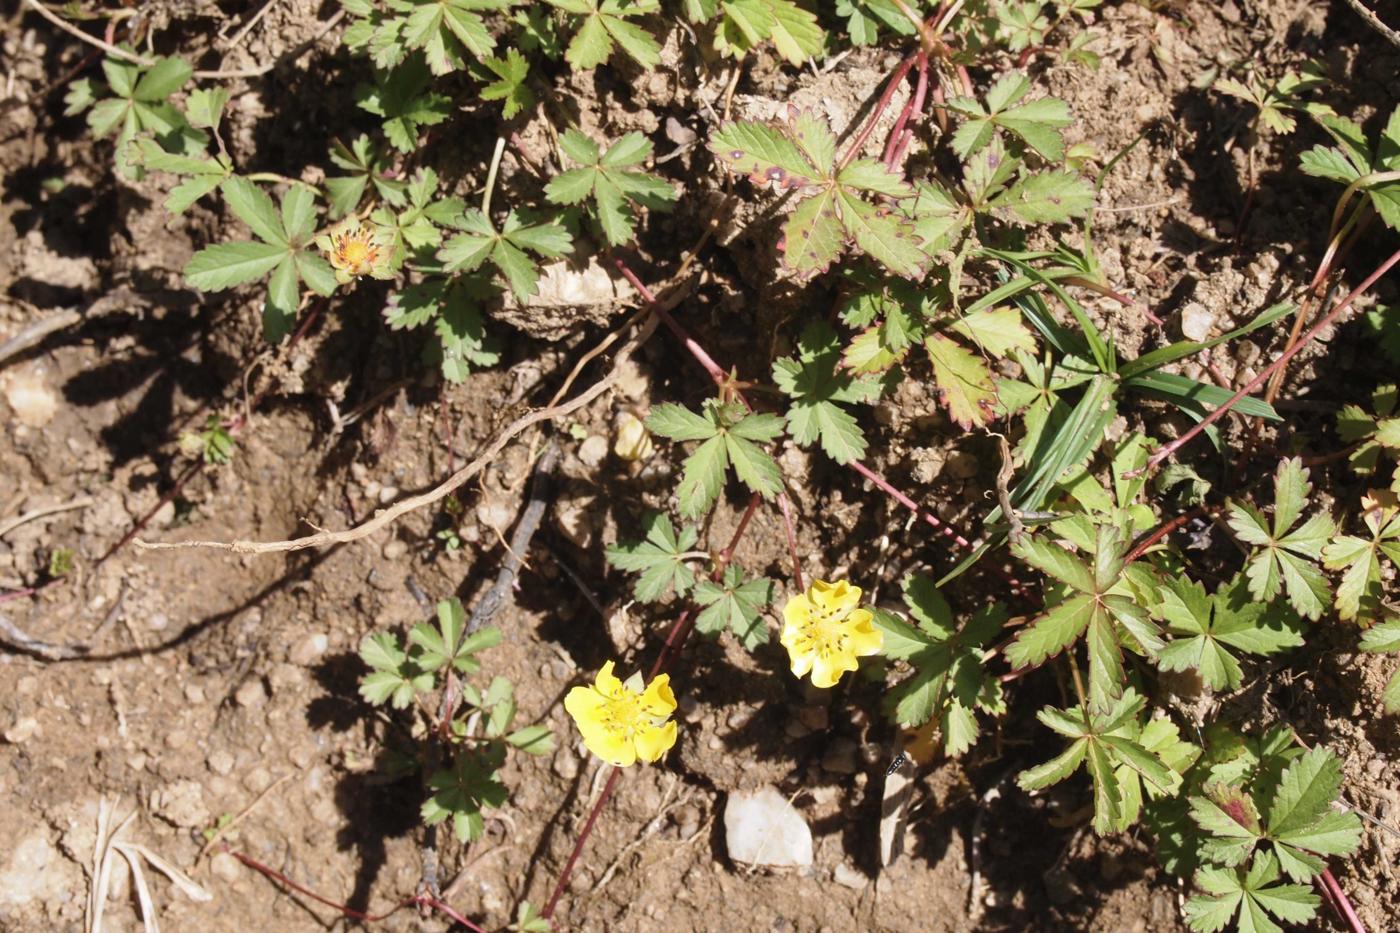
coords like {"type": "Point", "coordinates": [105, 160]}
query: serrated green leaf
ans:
{"type": "Point", "coordinates": [657, 558]}
{"type": "Point", "coordinates": [225, 265]}
{"type": "Point", "coordinates": [963, 380]}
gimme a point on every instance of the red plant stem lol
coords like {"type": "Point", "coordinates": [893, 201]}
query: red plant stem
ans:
{"type": "Point", "coordinates": [603, 798]}
{"type": "Point", "coordinates": [1339, 901]}
{"type": "Point", "coordinates": [1162, 531]}
{"type": "Point", "coordinates": [884, 486]}
{"type": "Point", "coordinates": [675, 640]}
{"type": "Point", "coordinates": [895, 80]}
{"type": "Point", "coordinates": [718, 376]}
{"type": "Point", "coordinates": [422, 900]}
{"type": "Point", "coordinates": [1167, 450]}
{"type": "Point", "coordinates": [920, 95]}
{"type": "Point", "coordinates": [786, 507]}
{"type": "Point", "coordinates": [912, 105]}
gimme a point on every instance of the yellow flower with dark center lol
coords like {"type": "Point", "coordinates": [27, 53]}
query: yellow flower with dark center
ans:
{"type": "Point", "coordinates": [825, 631]}
{"type": "Point", "coordinates": [355, 249]}
{"type": "Point", "coordinates": [622, 722]}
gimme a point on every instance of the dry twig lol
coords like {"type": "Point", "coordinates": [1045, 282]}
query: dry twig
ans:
{"type": "Point", "coordinates": [386, 517]}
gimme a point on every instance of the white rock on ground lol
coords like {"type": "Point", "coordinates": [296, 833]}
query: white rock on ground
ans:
{"type": "Point", "coordinates": [762, 828]}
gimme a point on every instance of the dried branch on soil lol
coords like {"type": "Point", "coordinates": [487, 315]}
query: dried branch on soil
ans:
{"type": "Point", "coordinates": [386, 517]}
{"type": "Point", "coordinates": [81, 502]}
{"type": "Point", "coordinates": [36, 332]}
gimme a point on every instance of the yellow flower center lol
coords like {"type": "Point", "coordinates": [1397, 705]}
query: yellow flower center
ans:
{"type": "Point", "coordinates": [825, 632]}
{"type": "Point", "coordinates": [622, 712]}
{"type": "Point", "coordinates": [354, 252]}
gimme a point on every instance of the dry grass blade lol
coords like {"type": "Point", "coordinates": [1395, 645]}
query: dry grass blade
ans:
{"type": "Point", "coordinates": [108, 842]}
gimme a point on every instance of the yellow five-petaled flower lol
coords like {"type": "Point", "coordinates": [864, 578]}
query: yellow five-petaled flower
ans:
{"type": "Point", "coordinates": [621, 722]}
{"type": "Point", "coordinates": [825, 631]}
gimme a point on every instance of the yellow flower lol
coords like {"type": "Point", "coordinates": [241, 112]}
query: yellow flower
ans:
{"type": "Point", "coordinates": [621, 722]}
{"type": "Point", "coordinates": [355, 249]}
{"type": "Point", "coordinates": [824, 631]}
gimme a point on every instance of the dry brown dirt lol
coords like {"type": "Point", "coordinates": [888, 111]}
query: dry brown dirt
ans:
{"type": "Point", "coordinates": [216, 680]}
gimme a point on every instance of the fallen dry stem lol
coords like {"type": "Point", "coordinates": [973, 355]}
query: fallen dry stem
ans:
{"type": "Point", "coordinates": [81, 502]}
{"type": "Point", "coordinates": [385, 517]}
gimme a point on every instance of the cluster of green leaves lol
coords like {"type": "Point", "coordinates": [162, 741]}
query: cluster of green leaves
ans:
{"type": "Point", "coordinates": [728, 435]}
{"type": "Point", "coordinates": [949, 680]}
{"type": "Point", "coordinates": [402, 673]}
{"type": "Point", "coordinates": [1359, 166]}
{"type": "Point", "coordinates": [799, 154]}
{"type": "Point", "coordinates": [740, 26]}
{"type": "Point", "coordinates": [135, 100]}
{"type": "Point", "coordinates": [661, 560]}
{"type": "Point", "coordinates": [1373, 433]}
{"type": "Point", "coordinates": [1277, 102]}
{"type": "Point", "coordinates": [1262, 811]}
{"type": "Point", "coordinates": [610, 182]}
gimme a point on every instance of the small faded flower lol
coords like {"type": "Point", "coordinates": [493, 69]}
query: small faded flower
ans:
{"type": "Point", "coordinates": [355, 249]}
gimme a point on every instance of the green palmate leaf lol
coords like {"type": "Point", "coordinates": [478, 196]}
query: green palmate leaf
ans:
{"type": "Point", "coordinates": [964, 382]}
{"type": "Point", "coordinates": [948, 680]}
{"type": "Point", "coordinates": [448, 32]}
{"type": "Point", "coordinates": [818, 388]}
{"type": "Point", "coordinates": [366, 165]}
{"type": "Point", "coordinates": [735, 604]}
{"type": "Point", "coordinates": [607, 180]}
{"type": "Point", "coordinates": [1359, 593]}
{"type": "Point", "coordinates": [284, 253]}
{"type": "Point", "coordinates": [506, 248]}
{"type": "Point", "coordinates": [1109, 745]}
{"type": "Point", "coordinates": [509, 73]}
{"type": "Point", "coordinates": [1104, 604]}
{"type": "Point", "coordinates": [463, 791]}
{"type": "Point", "coordinates": [1250, 897]}
{"type": "Point", "coordinates": [401, 98]}
{"type": "Point", "coordinates": [799, 154]}
{"type": "Point", "coordinates": [731, 436]}
{"type": "Point", "coordinates": [1037, 122]}
{"type": "Point", "coordinates": [660, 558]}
{"type": "Point", "coordinates": [605, 25]}
{"type": "Point", "coordinates": [394, 676]}
{"type": "Point", "coordinates": [1208, 627]}
{"type": "Point", "coordinates": [1286, 555]}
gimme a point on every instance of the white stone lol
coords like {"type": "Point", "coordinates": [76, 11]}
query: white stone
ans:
{"type": "Point", "coordinates": [251, 693]}
{"type": "Point", "coordinates": [848, 877]}
{"type": "Point", "coordinates": [593, 451]}
{"type": "Point", "coordinates": [1196, 322]}
{"type": "Point", "coordinates": [22, 731]}
{"type": "Point", "coordinates": [309, 650]}
{"type": "Point", "coordinates": [35, 871]}
{"type": "Point", "coordinates": [762, 828]}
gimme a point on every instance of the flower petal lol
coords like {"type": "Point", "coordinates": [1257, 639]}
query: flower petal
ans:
{"type": "Point", "coordinates": [653, 741]}
{"type": "Point", "coordinates": [584, 704]}
{"type": "Point", "coordinates": [659, 700]}
{"type": "Point", "coordinates": [613, 748]}
{"type": "Point", "coordinates": [801, 662]}
{"type": "Point", "coordinates": [827, 671]}
{"type": "Point", "coordinates": [797, 611]}
{"type": "Point", "coordinates": [607, 682]}
{"type": "Point", "coordinates": [865, 638]}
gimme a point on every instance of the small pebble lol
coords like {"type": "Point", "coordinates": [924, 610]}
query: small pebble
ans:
{"type": "Point", "coordinates": [158, 622]}
{"type": "Point", "coordinates": [220, 762]}
{"type": "Point", "coordinates": [22, 731]}
{"type": "Point", "coordinates": [194, 694]}
{"type": "Point", "coordinates": [1196, 321]}
{"type": "Point", "coordinates": [257, 780]}
{"type": "Point", "coordinates": [848, 877]}
{"type": "Point", "coordinates": [388, 494]}
{"type": "Point", "coordinates": [226, 868]}
{"type": "Point", "coordinates": [593, 451]}
{"type": "Point", "coordinates": [309, 649]}
{"type": "Point", "coordinates": [251, 693]}
{"type": "Point", "coordinates": [395, 549]}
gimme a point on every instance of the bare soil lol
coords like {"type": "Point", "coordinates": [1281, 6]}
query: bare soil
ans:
{"type": "Point", "coordinates": [214, 678]}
